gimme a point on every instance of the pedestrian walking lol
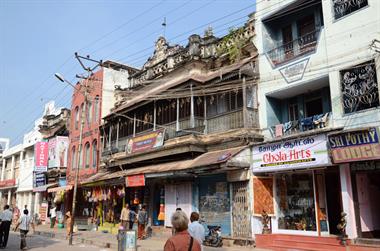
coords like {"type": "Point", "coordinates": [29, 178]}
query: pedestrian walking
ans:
{"type": "Point", "coordinates": [6, 221]}
{"type": "Point", "coordinates": [68, 224]}
{"type": "Point", "coordinates": [182, 240]}
{"type": "Point", "coordinates": [24, 224]}
{"type": "Point", "coordinates": [124, 217]}
{"type": "Point", "coordinates": [53, 216]}
{"type": "Point", "coordinates": [132, 218]}
{"type": "Point", "coordinates": [142, 220]}
{"type": "Point", "coordinates": [196, 230]}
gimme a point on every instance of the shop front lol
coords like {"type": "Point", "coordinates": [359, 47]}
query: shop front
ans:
{"type": "Point", "coordinates": [358, 152]}
{"type": "Point", "coordinates": [292, 183]}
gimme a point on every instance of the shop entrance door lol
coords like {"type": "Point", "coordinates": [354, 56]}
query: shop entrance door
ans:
{"type": "Point", "coordinates": [241, 220]}
{"type": "Point", "coordinates": [334, 200]}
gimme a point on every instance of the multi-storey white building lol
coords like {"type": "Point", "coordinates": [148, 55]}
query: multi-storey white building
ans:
{"type": "Point", "coordinates": [319, 66]}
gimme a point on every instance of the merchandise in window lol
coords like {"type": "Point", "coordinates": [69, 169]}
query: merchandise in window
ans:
{"type": "Point", "coordinates": [295, 197]}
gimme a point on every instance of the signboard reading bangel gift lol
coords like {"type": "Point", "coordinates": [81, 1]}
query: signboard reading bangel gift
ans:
{"type": "Point", "coordinates": [291, 154]}
{"type": "Point", "coordinates": [355, 146]}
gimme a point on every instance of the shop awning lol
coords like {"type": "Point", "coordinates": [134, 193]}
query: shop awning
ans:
{"type": "Point", "coordinates": [221, 157]}
{"type": "Point", "coordinates": [238, 156]}
{"type": "Point", "coordinates": [44, 188]}
{"type": "Point", "coordinates": [59, 189]}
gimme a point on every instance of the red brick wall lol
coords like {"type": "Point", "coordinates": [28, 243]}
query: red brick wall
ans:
{"type": "Point", "coordinates": [90, 130]}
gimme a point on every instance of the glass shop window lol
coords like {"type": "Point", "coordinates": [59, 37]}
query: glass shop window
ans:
{"type": "Point", "coordinates": [295, 197]}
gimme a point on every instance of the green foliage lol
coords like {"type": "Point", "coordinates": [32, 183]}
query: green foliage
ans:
{"type": "Point", "coordinates": [232, 44]}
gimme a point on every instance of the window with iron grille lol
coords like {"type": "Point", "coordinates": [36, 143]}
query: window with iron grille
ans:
{"type": "Point", "coordinates": [359, 87]}
{"type": "Point", "coordinates": [342, 8]}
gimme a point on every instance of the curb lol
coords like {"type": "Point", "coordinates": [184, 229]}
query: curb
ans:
{"type": "Point", "coordinates": [77, 239]}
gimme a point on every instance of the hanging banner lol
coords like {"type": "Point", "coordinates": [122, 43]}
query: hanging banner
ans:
{"type": "Point", "coordinates": [7, 183]}
{"type": "Point", "coordinates": [145, 142]}
{"type": "Point", "coordinates": [355, 146]}
{"type": "Point", "coordinates": [135, 180]}
{"type": "Point", "coordinates": [41, 156]}
{"type": "Point", "coordinates": [291, 154]}
{"type": "Point", "coordinates": [58, 151]}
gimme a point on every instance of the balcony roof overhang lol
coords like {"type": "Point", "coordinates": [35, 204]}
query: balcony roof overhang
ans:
{"type": "Point", "coordinates": [293, 90]}
{"type": "Point", "coordinates": [290, 8]}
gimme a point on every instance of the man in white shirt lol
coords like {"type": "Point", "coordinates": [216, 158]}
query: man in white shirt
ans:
{"type": "Point", "coordinates": [24, 223]}
{"type": "Point", "coordinates": [6, 220]}
{"type": "Point", "coordinates": [53, 216]}
{"type": "Point", "coordinates": [196, 230]}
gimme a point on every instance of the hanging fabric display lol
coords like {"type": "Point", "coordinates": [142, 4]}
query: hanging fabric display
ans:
{"type": "Point", "coordinates": [161, 215]}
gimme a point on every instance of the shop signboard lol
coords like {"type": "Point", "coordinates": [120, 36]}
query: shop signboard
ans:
{"type": "Point", "coordinates": [355, 146]}
{"type": "Point", "coordinates": [39, 179]}
{"type": "Point", "coordinates": [145, 142]}
{"type": "Point", "coordinates": [43, 211]}
{"type": "Point", "coordinates": [58, 151]}
{"type": "Point", "coordinates": [135, 180]}
{"type": "Point", "coordinates": [291, 154]}
{"type": "Point", "coordinates": [41, 156]}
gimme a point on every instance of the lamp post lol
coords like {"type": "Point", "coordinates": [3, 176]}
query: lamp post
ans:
{"type": "Point", "coordinates": [60, 78]}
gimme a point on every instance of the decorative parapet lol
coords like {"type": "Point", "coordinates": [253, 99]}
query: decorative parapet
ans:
{"type": "Point", "coordinates": [213, 51]}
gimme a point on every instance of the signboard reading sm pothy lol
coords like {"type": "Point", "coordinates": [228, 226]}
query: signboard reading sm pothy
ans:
{"type": "Point", "coordinates": [291, 154]}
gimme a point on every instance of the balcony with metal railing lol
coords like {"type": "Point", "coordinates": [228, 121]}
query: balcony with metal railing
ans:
{"type": "Point", "coordinates": [299, 47]}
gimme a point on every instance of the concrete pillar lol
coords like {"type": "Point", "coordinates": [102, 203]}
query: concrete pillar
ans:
{"type": "Point", "coordinates": [37, 203]}
{"type": "Point", "coordinates": [9, 197]}
{"type": "Point", "coordinates": [348, 200]}
{"type": "Point", "coordinates": [177, 120]}
{"type": "Point", "coordinates": [13, 167]}
{"type": "Point", "coordinates": [3, 169]}
{"type": "Point", "coordinates": [29, 203]}
{"type": "Point", "coordinates": [192, 118]}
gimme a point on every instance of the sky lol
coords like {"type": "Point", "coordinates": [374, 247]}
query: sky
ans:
{"type": "Point", "coordinates": [40, 37]}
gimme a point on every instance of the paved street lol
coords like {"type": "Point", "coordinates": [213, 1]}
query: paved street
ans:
{"type": "Point", "coordinates": [39, 243]}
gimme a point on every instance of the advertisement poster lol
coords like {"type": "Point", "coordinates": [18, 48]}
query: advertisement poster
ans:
{"type": "Point", "coordinates": [41, 156]}
{"type": "Point", "coordinates": [355, 146]}
{"type": "Point", "coordinates": [291, 154]}
{"type": "Point", "coordinates": [58, 151]}
{"type": "Point", "coordinates": [43, 211]}
{"type": "Point", "coordinates": [145, 142]}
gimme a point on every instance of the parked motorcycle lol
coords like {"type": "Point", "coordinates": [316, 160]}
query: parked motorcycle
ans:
{"type": "Point", "coordinates": [214, 236]}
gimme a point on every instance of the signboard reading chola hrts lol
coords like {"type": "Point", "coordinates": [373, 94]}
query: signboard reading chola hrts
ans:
{"type": "Point", "coordinates": [355, 146]}
{"type": "Point", "coordinates": [145, 142]}
{"type": "Point", "coordinates": [41, 156]}
{"type": "Point", "coordinates": [291, 154]}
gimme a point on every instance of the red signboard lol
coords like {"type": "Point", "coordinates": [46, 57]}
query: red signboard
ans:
{"type": "Point", "coordinates": [145, 142]}
{"type": "Point", "coordinates": [135, 180]}
{"type": "Point", "coordinates": [41, 156]}
{"type": "Point", "coordinates": [7, 183]}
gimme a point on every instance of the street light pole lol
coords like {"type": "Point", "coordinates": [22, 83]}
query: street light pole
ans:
{"type": "Point", "coordinates": [79, 154]}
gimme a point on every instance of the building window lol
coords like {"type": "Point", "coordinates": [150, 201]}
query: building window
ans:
{"type": "Point", "coordinates": [222, 103]}
{"type": "Point", "coordinates": [89, 113]}
{"type": "Point", "coordinates": [359, 87]}
{"type": "Point", "coordinates": [295, 200]}
{"type": "Point", "coordinates": [87, 154]}
{"type": "Point", "coordinates": [94, 154]}
{"type": "Point", "coordinates": [76, 118]}
{"type": "Point", "coordinates": [73, 158]}
{"type": "Point", "coordinates": [293, 109]}
{"type": "Point", "coordinates": [345, 7]}
{"type": "Point", "coordinates": [96, 109]}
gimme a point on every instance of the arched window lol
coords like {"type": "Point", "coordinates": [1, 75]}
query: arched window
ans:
{"type": "Point", "coordinates": [94, 153]}
{"type": "Point", "coordinates": [73, 158]}
{"type": "Point", "coordinates": [76, 114]}
{"type": "Point", "coordinates": [89, 113]}
{"type": "Point", "coordinates": [96, 109]}
{"type": "Point", "coordinates": [87, 154]}
{"type": "Point", "coordinates": [80, 157]}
